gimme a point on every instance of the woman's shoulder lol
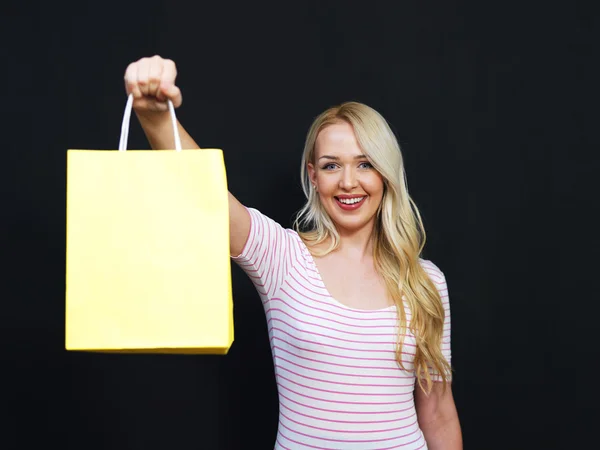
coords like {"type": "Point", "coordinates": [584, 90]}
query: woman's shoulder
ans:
{"type": "Point", "coordinates": [434, 272]}
{"type": "Point", "coordinates": [258, 216]}
{"type": "Point", "coordinates": [266, 224]}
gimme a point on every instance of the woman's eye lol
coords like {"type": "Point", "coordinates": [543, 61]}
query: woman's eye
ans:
{"type": "Point", "coordinates": [330, 166]}
{"type": "Point", "coordinates": [365, 165]}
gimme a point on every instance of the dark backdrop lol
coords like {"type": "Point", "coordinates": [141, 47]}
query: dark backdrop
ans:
{"type": "Point", "coordinates": [494, 105]}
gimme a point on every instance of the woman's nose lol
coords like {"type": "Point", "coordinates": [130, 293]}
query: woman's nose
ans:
{"type": "Point", "coordinates": [348, 180]}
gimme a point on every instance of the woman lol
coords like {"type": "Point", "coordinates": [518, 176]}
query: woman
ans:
{"type": "Point", "coordinates": [359, 323]}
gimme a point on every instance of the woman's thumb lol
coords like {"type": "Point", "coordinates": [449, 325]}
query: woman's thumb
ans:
{"type": "Point", "coordinates": [171, 92]}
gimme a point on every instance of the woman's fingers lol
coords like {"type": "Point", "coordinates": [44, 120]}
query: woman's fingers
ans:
{"type": "Point", "coordinates": [152, 83]}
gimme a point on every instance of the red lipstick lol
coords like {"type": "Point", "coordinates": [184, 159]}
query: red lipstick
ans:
{"type": "Point", "coordinates": [353, 202]}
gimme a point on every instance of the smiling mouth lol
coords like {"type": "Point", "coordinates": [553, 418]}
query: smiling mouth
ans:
{"type": "Point", "coordinates": [350, 203]}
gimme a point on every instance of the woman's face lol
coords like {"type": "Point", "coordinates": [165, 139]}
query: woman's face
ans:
{"type": "Point", "coordinates": [348, 186]}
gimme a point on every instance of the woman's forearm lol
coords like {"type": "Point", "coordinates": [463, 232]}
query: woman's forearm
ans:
{"type": "Point", "coordinates": [158, 129]}
{"type": "Point", "coordinates": [443, 434]}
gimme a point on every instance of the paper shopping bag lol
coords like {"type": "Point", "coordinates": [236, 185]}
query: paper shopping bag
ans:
{"type": "Point", "coordinates": [147, 255]}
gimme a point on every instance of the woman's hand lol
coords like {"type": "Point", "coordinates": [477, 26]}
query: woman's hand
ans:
{"type": "Point", "coordinates": [152, 83]}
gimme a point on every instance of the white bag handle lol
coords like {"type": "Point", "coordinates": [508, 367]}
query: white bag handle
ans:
{"type": "Point", "coordinates": [127, 119]}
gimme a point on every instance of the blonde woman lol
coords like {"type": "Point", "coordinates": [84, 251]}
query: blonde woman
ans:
{"type": "Point", "coordinates": [359, 323]}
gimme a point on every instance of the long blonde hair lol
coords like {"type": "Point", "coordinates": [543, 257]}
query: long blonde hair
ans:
{"type": "Point", "coordinates": [399, 235]}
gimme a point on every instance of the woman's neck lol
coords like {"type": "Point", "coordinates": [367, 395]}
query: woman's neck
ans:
{"type": "Point", "coordinates": [357, 243]}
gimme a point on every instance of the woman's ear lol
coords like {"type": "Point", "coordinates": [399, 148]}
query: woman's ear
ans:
{"type": "Point", "coordinates": [312, 173]}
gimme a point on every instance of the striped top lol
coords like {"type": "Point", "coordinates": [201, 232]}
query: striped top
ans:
{"type": "Point", "coordinates": [338, 381]}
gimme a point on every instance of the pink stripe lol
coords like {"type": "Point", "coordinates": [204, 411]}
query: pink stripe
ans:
{"type": "Point", "coordinates": [435, 276]}
{"type": "Point", "coordinates": [260, 291]}
{"type": "Point", "coordinates": [250, 272]}
{"type": "Point", "coordinates": [408, 443]}
{"type": "Point", "coordinates": [312, 307]}
{"type": "Point", "coordinates": [337, 411]}
{"type": "Point", "coordinates": [354, 422]}
{"type": "Point", "coordinates": [331, 320]}
{"type": "Point", "coordinates": [310, 280]}
{"type": "Point", "coordinates": [329, 363]}
{"type": "Point", "coordinates": [250, 238]}
{"type": "Point", "coordinates": [422, 445]}
{"type": "Point", "coordinates": [275, 262]}
{"type": "Point", "coordinates": [312, 267]}
{"type": "Point", "coordinates": [296, 262]}
{"type": "Point", "coordinates": [322, 344]}
{"type": "Point", "coordinates": [255, 225]}
{"type": "Point", "coordinates": [263, 245]}
{"type": "Point", "coordinates": [308, 283]}
{"type": "Point", "coordinates": [334, 304]}
{"type": "Point", "coordinates": [328, 296]}
{"type": "Point", "coordinates": [301, 443]}
{"type": "Point", "coordinates": [346, 431]}
{"type": "Point", "coordinates": [258, 263]}
{"type": "Point", "coordinates": [388, 394]}
{"type": "Point", "coordinates": [343, 374]}
{"type": "Point", "coordinates": [395, 447]}
{"type": "Point", "coordinates": [312, 298]}
{"type": "Point", "coordinates": [409, 400]}
{"type": "Point", "coordinates": [281, 445]}
{"type": "Point", "coordinates": [270, 251]}
{"type": "Point", "coordinates": [292, 257]}
{"type": "Point", "coordinates": [282, 264]}
{"type": "Point", "coordinates": [313, 277]}
{"type": "Point", "coordinates": [333, 346]}
{"type": "Point", "coordinates": [343, 383]}
{"type": "Point", "coordinates": [257, 282]}
{"type": "Point", "coordinates": [312, 333]}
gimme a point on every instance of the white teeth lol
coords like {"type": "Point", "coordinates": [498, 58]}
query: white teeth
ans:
{"type": "Point", "coordinates": [350, 201]}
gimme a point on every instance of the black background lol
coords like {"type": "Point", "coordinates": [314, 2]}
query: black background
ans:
{"type": "Point", "coordinates": [495, 106]}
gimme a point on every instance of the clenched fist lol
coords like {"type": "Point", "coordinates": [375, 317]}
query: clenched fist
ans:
{"type": "Point", "coordinates": [152, 83]}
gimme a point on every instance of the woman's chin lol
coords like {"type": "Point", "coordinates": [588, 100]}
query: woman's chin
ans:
{"type": "Point", "coordinates": [352, 224]}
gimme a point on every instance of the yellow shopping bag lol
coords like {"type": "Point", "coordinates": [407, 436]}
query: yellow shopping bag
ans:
{"type": "Point", "coordinates": [147, 254]}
